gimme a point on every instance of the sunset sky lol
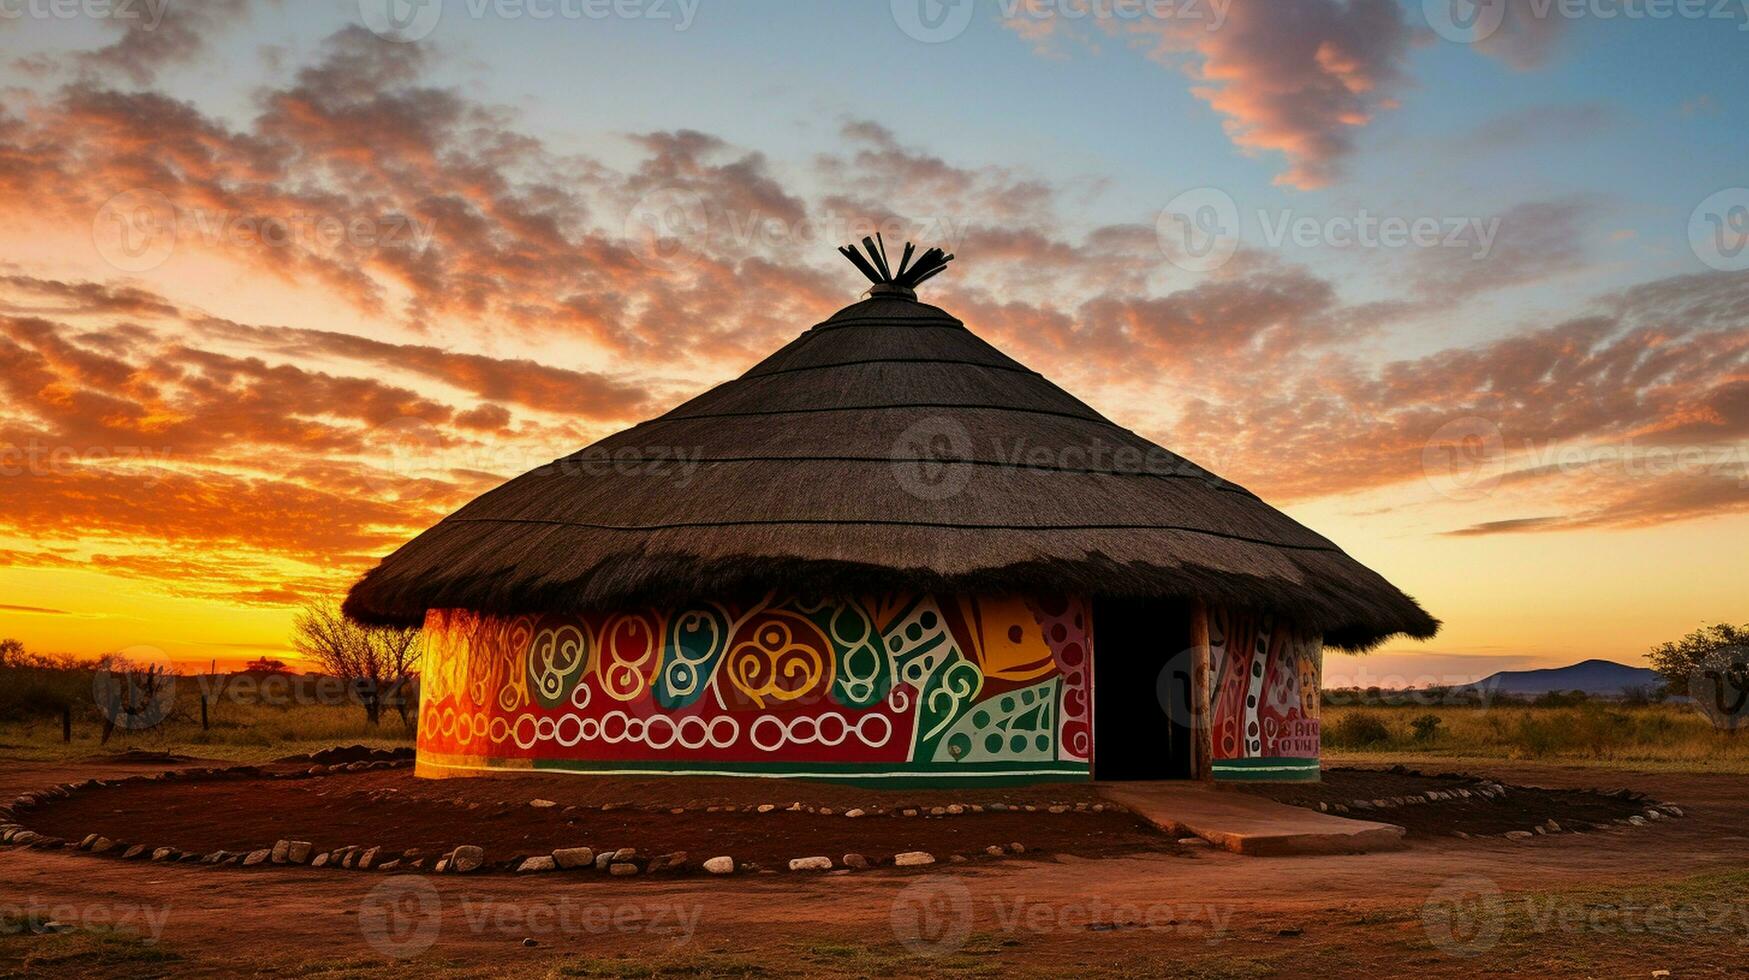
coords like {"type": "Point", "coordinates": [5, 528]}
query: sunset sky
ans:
{"type": "Point", "coordinates": [278, 291]}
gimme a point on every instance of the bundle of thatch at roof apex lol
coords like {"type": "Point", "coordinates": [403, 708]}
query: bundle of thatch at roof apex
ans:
{"type": "Point", "coordinates": [874, 453]}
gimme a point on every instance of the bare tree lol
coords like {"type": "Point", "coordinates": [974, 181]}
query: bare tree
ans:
{"type": "Point", "coordinates": [378, 661]}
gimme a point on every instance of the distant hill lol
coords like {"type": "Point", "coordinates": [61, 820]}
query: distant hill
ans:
{"type": "Point", "coordinates": [1600, 677]}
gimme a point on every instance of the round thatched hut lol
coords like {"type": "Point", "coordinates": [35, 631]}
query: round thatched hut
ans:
{"type": "Point", "coordinates": [888, 552]}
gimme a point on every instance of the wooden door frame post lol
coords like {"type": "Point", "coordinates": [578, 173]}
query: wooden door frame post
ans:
{"type": "Point", "coordinates": [1201, 704]}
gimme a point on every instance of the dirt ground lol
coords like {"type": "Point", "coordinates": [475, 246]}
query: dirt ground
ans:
{"type": "Point", "coordinates": [1369, 794]}
{"type": "Point", "coordinates": [394, 809]}
{"type": "Point", "coordinates": [1623, 902]}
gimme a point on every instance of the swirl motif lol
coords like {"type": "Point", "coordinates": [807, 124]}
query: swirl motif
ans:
{"type": "Point", "coordinates": [778, 655]}
{"type": "Point", "coordinates": [696, 639]}
{"type": "Point", "coordinates": [629, 655]}
{"type": "Point", "coordinates": [954, 688]}
{"type": "Point", "coordinates": [555, 658]}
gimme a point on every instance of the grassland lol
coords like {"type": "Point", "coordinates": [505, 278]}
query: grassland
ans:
{"type": "Point", "coordinates": [1670, 737]}
{"type": "Point", "coordinates": [241, 732]}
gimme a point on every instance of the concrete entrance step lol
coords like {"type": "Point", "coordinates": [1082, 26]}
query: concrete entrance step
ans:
{"type": "Point", "coordinates": [1247, 824]}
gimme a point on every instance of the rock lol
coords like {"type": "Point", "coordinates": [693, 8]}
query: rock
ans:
{"type": "Point", "coordinates": [1460, 835]}
{"type": "Point", "coordinates": [213, 858]}
{"type": "Point", "coordinates": [603, 859]}
{"type": "Point", "coordinates": [1323, 807]}
{"type": "Point", "coordinates": [955, 809]}
{"type": "Point", "coordinates": [1639, 821]}
{"type": "Point", "coordinates": [1654, 815]}
{"type": "Point", "coordinates": [257, 857]}
{"type": "Point", "coordinates": [84, 845]}
{"type": "Point", "coordinates": [574, 857]}
{"type": "Point", "coordinates": [466, 858]}
{"type": "Point", "coordinates": [999, 807]}
{"type": "Point", "coordinates": [389, 865]}
{"type": "Point", "coordinates": [1551, 826]}
{"type": "Point", "coordinates": [677, 809]}
{"type": "Point", "coordinates": [672, 861]}
{"type": "Point", "coordinates": [856, 861]}
{"type": "Point", "coordinates": [1016, 848]}
{"type": "Point", "coordinates": [298, 851]}
{"type": "Point", "coordinates": [625, 854]}
{"type": "Point", "coordinates": [908, 812]}
{"type": "Point", "coordinates": [1057, 808]}
{"type": "Point", "coordinates": [133, 852]}
{"type": "Point", "coordinates": [542, 862]}
{"type": "Point", "coordinates": [1519, 835]}
{"type": "Point", "coordinates": [1192, 842]}
{"type": "Point", "coordinates": [956, 859]}
{"type": "Point", "coordinates": [529, 942]}
{"type": "Point", "coordinates": [541, 804]}
{"type": "Point", "coordinates": [164, 854]}
{"type": "Point", "coordinates": [767, 807]}
{"type": "Point", "coordinates": [995, 850]}
{"type": "Point", "coordinates": [368, 858]}
{"type": "Point", "coordinates": [824, 811]}
{"type": "Point", "coordinates": [721, 865]}
{"type": "Point", "coordinates": [1673, 809]}
{"type": "Point", "coordinates": [912, 859]}
{"type": "Point", "coordinates": [279, 848]}
{"type": "Point", "coordinates": [102, 845]}
{"type": "Point", "coordinates": [938, 811]}
{"type": "Point", "coordinates": [811, 864]}
{"type": "Point", "coordinates": [622, 869]}
{"type": "Point", "coordinates": [441, 866]}
{"type": "Point", "coordinates": [853, 812]}
{"type": "Point", "coordinates": [321, 860]}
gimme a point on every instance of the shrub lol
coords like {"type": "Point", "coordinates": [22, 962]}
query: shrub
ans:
{"type": "Point", "coordinates": [1358, 730]}
{"type": "Point", "coordinates": [1425, 727]}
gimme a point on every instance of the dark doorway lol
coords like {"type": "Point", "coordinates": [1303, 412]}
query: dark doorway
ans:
{"type": "Point", "coordinates": [1141, 690]}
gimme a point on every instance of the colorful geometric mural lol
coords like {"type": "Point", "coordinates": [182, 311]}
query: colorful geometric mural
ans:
{"type": "Point", "coordinates": [1265, 686]}
{"type": "Point", "coordinates": [907, 686]}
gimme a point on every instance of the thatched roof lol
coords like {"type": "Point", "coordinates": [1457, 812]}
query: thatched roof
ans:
{"type": "Point", "coordinates": [887, 448]}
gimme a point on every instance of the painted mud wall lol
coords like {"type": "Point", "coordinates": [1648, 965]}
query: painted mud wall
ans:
{"type": "Point", "coordinates": [1266, 679]}
{"type": "Point", "coordinates": [891, 688]}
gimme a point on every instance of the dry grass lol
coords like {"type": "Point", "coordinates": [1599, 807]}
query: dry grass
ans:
{"type": "Point", "coordinates": [242, 732]}
{"type": "Point", "coordinates": [1658, 736]}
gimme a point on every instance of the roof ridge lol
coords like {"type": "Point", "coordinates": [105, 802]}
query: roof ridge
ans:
{"type": "Point", "coordinates": [1017, 367]}
{"type": "Point", "coordinates": [946, 406]}
{"type": "Point", "coordinates": [887, 522]}
{"type": "Point", "coordinates": [1213, 481]}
